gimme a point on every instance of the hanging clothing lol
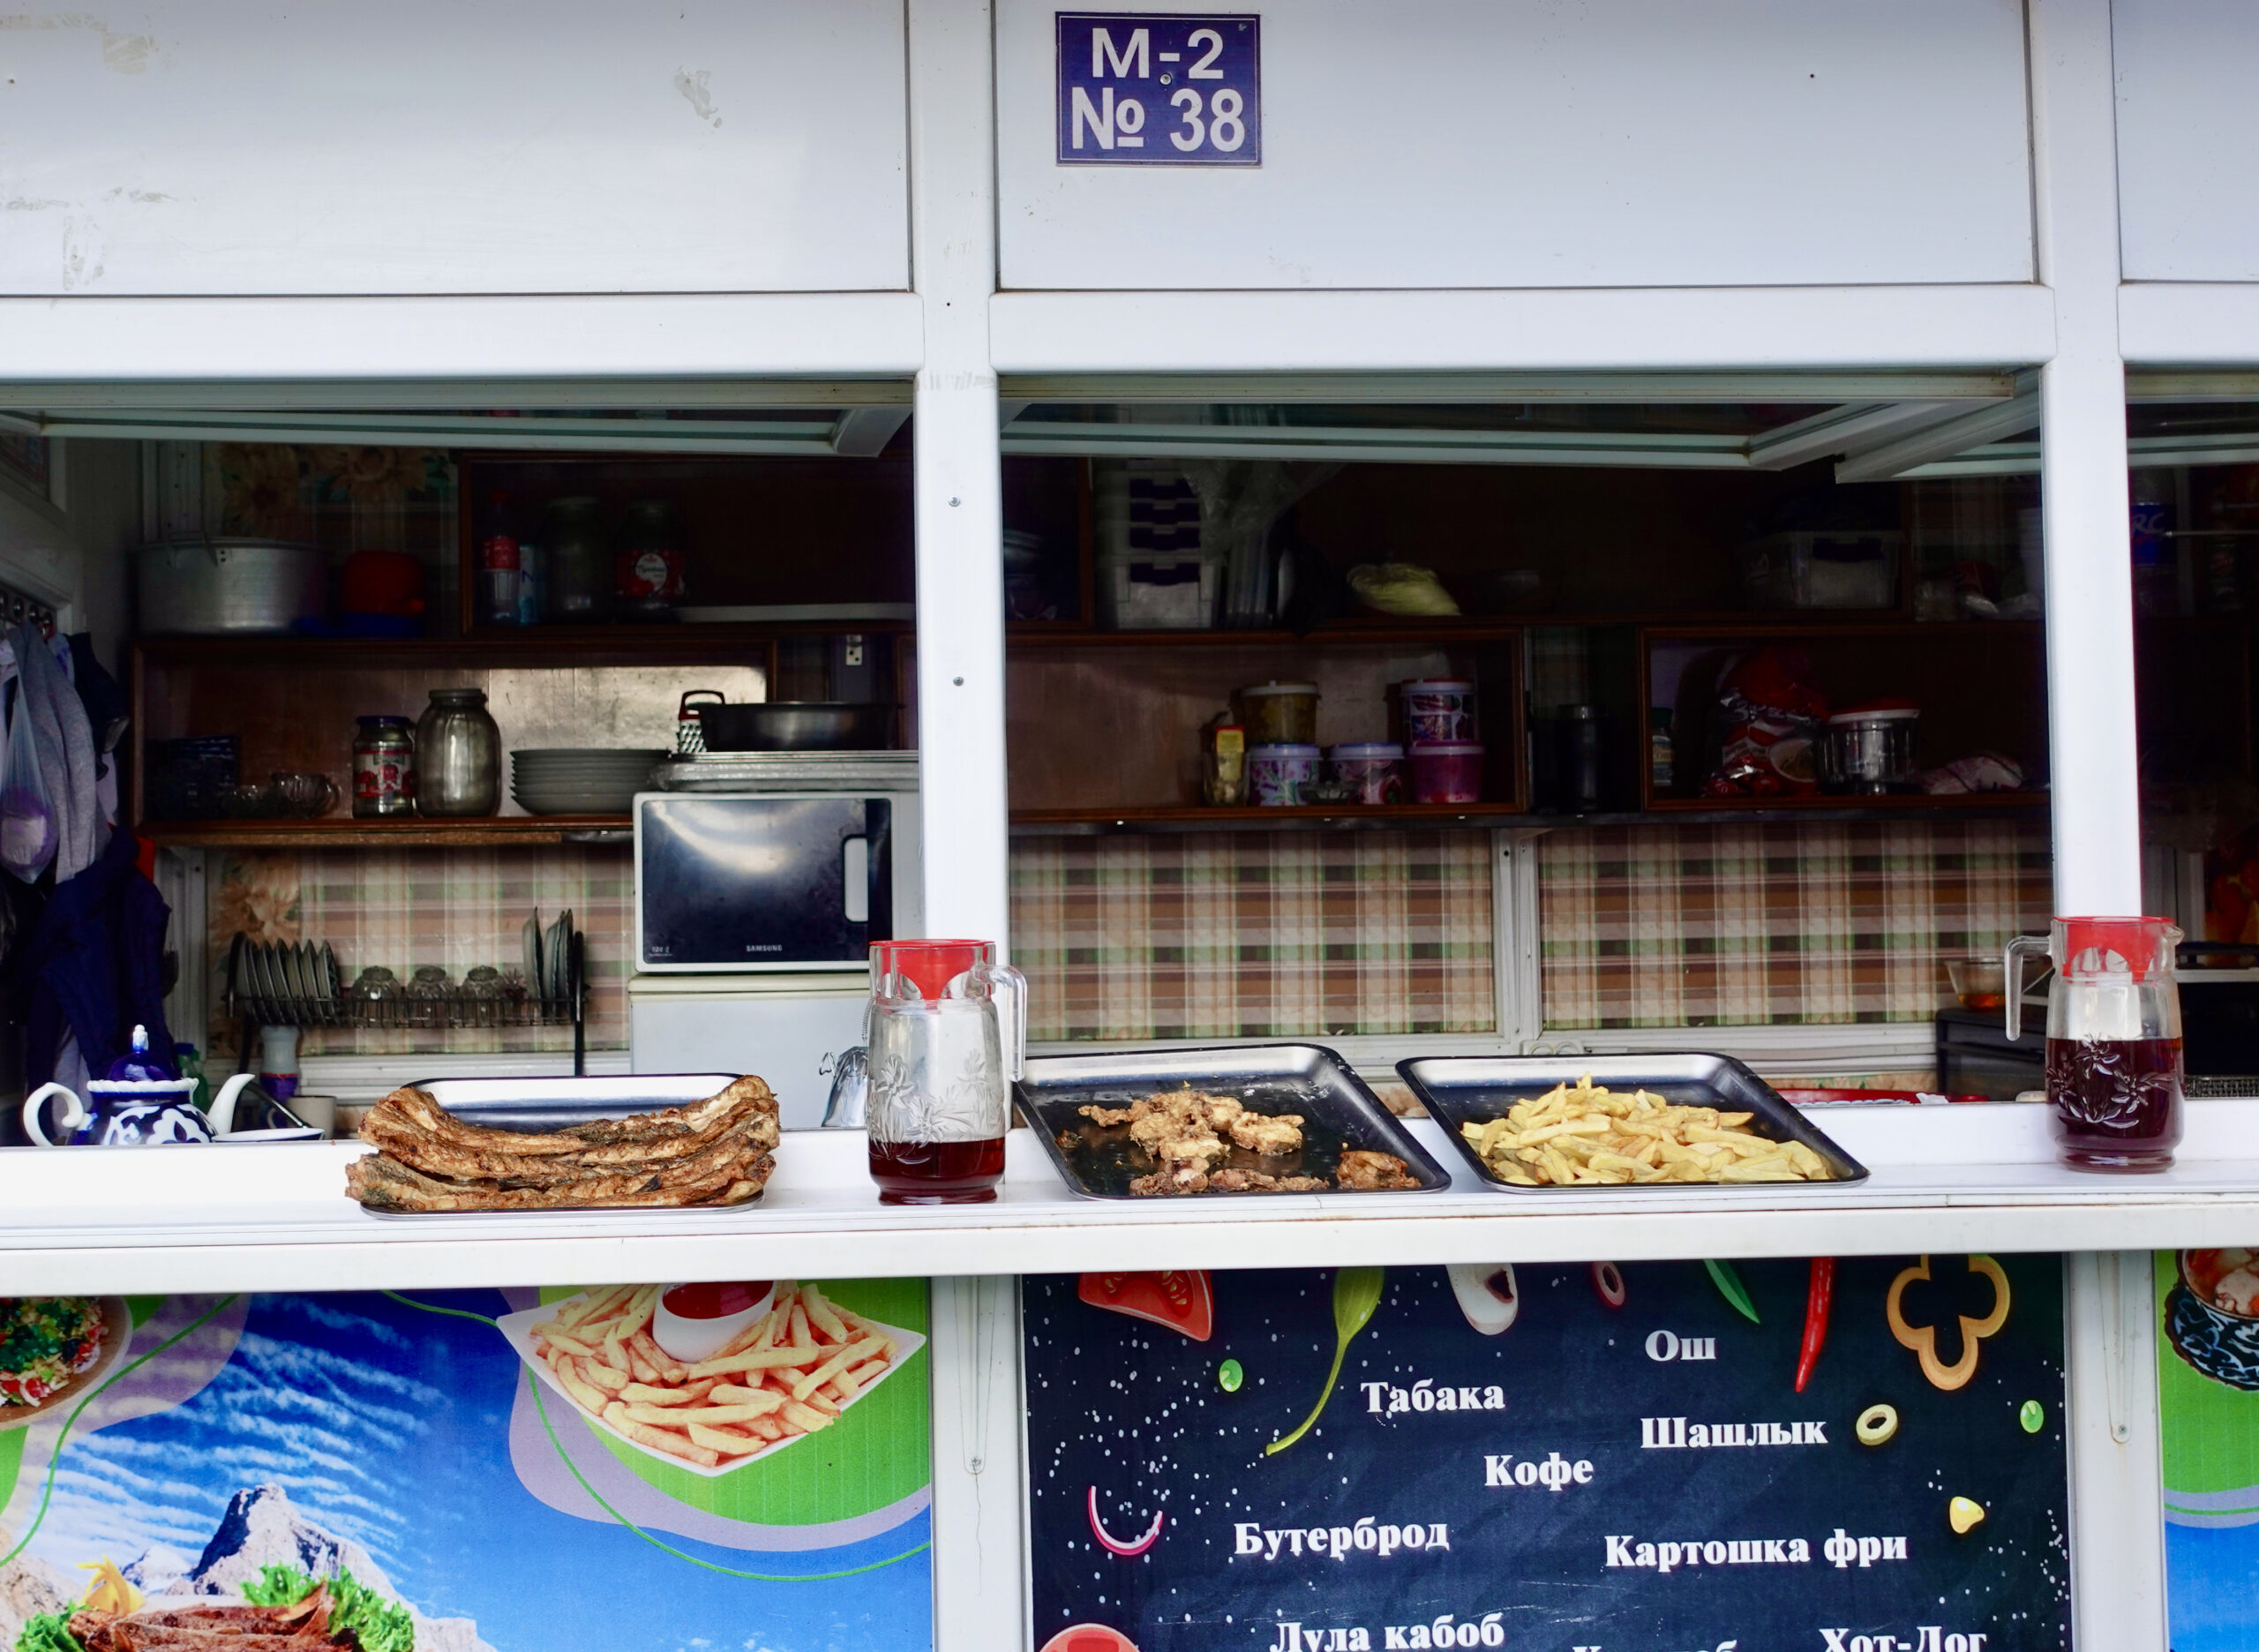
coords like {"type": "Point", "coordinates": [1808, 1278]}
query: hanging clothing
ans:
{"type": "Point", "coordinates": [108, 711]}
{"type": "Point", "coordinates": [94, 965]}
{"type": "Point", "coordinates": [65, 747]}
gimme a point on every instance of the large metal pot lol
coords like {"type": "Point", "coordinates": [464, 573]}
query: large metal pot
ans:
{"type": "Point", "coordinates": [222, 585]}
{"type": "Point", "coordinates": [797, 726]}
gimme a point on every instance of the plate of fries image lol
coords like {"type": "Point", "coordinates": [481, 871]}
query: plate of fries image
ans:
{"type": "Point", "coordinates": [790, 1374]}
{"type": "Point", "coordinates": [1547, 1124]}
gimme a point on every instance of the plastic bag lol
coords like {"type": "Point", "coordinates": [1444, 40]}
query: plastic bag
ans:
{"type": "Point", "coordinates": [1771, 714]}
{"type": "Point", "coordinates": [27, 825]}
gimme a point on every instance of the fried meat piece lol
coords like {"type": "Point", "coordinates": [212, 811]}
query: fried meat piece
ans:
{"type": "Point", "coordinates": [212, 1627]}
{"type": "Point", "coordinates": [1268, 1136]}
{"type": "Point", "coordinates": [1363, 1171]}
{"type": "Point", "coordinates": [1257, 1181]}
{"type": "Point", "coordinates": [1185, 1130]}
{"type": "Point", "coordinates": [1169, 1179]}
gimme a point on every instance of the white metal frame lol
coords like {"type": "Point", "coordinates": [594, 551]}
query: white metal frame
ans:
{"type": "Point", "coordinates": [2076, 326]}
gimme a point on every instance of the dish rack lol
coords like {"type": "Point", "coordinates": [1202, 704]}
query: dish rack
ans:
{"type": "Point", "coordinates": [303, 984]}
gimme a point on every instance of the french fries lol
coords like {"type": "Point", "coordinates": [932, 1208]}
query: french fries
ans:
{"type": "Point", "coordinates": [787, 1374]}
{"type": "Point", "coordinates": [1589, 1136]}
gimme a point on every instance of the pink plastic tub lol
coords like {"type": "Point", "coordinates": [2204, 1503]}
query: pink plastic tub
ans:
{"type": "Point", "coordinates": [1447, 771]}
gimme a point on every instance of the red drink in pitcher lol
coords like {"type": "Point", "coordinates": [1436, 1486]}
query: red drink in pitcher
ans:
{"type": "Point", "coordinates": [2117, 1102]}
{"type": "Point", "coordinates": [937, 1173]}
{"type": "Point", "coordinates": [948, 1036]}
{"type": "Point", "coordinates": [2113, 1039]}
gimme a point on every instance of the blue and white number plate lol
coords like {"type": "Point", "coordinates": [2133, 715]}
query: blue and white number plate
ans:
{"type": "Point", "coordinates": [1153, 88]}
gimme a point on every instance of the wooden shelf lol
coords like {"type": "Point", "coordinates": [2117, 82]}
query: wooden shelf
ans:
{"type": "Point", "coordinates": [1828, 803]}
{"type": "Point", "coordinates": [1200, 817]}
{"type": "Point", "coordinates": [1046, 633]}
{"type": "Point", "coordinates": [1772, 626]}
{"type": "Point", "coordinates": [533, 645]}
{"type": "Point", "coordinates": [345, 832]}
{"type": "Point", "coordinates": [1429, 816]}
{"type": "Point", "coordinates": [1768, 623]}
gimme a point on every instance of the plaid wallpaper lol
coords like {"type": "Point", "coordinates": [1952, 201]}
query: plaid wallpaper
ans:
{"type": "Point", "coordinates": [1277, 935]}
{"type": "Point", "coordinates": [1254, 934]}
{"type": "Point", "coordinates": [1806, 921]}
{"type": "Point", "coordinates": [453, 907]}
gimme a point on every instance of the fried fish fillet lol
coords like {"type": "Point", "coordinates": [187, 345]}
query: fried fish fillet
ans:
{"type": "Point", "coordinates": [412, 1115]}
{"type": "Point", "coordinates": [688, 1159]}
{"type": "Point", "coordinates": [381, 1183]}
{"type": "Point", "coordinates": [718, 1151]}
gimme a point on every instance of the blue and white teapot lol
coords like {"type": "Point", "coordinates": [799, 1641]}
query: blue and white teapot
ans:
{"type": "Point", "coordinates": [139, 1104]}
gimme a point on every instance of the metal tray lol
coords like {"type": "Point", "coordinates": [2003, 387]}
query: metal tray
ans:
{"type": "Point", "coordinates": [540, 1104]}
{"type": "Point", "coordinates": [1462, 1090]}
{"type": "Point", "coordinates": [1338, 1111]}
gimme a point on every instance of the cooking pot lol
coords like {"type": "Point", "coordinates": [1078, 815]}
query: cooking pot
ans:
{"type": "Point", "coordinates": [797, 725]}
{"type": "Point", "coordinates": [227, 585]}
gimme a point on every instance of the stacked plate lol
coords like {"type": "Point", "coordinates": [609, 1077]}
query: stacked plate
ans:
{"type": "Point", "coordinates": [577, 781]}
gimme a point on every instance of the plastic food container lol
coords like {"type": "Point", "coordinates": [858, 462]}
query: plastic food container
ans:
{"type": "Point", "coordinates": [1447, 771]}
{"type": "Point", "coordinates": [1275, 774]}
{"type": "Point", "coordinates": [1437, 708]}
{"type": "Point", "coordinates": [1870, 747]}
{"type": "Point", "coordinates": [1280, 713]}
{"type": "Point", "coordinates": [1152, 572]}
{"type": "Point", "coordinates": [1856, 569]}
{"type": "Point", "coordinates": [1376, 768]}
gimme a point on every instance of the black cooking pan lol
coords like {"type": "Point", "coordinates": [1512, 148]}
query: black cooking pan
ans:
{"type": "Point", "coordinates": [797, 726]}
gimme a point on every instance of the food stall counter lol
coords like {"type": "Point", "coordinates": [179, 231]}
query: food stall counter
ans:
{"type": "Point", "coordinates": [277, 1218]}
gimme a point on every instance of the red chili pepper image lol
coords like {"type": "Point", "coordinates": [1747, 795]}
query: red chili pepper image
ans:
{"type": "Point", "coordinates": [1817, 1299]}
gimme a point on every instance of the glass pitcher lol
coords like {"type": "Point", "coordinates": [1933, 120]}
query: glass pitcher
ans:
{"type": "Point", "coordinates": [2113, 1039]}
{"type": "Point", "coordinates": [948, 1035]}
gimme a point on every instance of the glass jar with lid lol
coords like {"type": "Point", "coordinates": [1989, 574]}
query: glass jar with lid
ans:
{"type": "Point", "coordinates": [458, 755]}
{"type": "Point", "coordinates": [578, 558]}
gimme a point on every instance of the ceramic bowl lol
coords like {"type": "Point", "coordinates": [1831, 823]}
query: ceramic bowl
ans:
{"type": "Point", "coordinates": [690, 1338]}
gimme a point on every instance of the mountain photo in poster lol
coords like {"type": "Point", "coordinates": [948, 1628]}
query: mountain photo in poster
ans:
{"type": "Point", "coordinates": [460, 1472]}
{"type": "Point", "coordinates": [1660, 1455]}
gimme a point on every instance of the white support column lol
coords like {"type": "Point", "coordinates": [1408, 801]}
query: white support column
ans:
{"type": "Point", "coordinates": [2083, 464]}
{"type": "Point", "coordinates": [978, 1594]}
{"type": "Point", "coordinates": [2116, 1504]}
{"type": "Point", "coordinates": [959, 505]}
{"type": "Point", "coordinates": [979, 1602]}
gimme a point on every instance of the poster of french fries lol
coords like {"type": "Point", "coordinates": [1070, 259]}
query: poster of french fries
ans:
{"type": "Point", "coordinates": [1775, 1453]}
{"type": "Point", "coordinates": [795, 1364]}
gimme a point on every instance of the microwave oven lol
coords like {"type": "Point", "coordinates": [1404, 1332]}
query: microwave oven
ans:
{"type": "Point", "coordinates": [729, 883]}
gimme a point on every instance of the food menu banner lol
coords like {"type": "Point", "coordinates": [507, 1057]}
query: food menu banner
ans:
{"type": "Point", "coordinates": [1857, 1457]}
{"type": "Point", "coordinates": [657, 1468]}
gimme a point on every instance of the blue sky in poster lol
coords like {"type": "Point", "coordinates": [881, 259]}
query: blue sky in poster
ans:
{"type": "Point", "coordinates": [390, 1427]}
{"type": "Point", "coordinates": [2214, 1587]}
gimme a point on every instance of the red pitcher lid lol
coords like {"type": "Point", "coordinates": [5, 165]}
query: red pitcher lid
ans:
{"type": "Point", "coordinates": [2146, 944]}
{"type": "Point", "coordinates": [928, 965]}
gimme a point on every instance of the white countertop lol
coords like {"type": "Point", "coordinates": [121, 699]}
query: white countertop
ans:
{"type": "Point", "coordinates": [276, 1218]}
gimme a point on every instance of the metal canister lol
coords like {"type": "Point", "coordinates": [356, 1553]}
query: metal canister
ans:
{"type": "Point", "coordinates": [384, 767]}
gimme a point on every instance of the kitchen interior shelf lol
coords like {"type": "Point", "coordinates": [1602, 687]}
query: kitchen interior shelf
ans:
{"type": "Point", "coordinates": [526, 646]}
{"type": "Point", "coordinates": [336, 831]}
{"type": "Point", "coordinates": [1428, 817]}
{"type": "Point", "coordinates": [1965, 1178]}
{"type": "Point", "coordinates": [1045, 634]}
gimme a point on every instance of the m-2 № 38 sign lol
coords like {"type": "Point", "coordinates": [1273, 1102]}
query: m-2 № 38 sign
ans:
{"type": "Point", "coordinates": [1160, 89]}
